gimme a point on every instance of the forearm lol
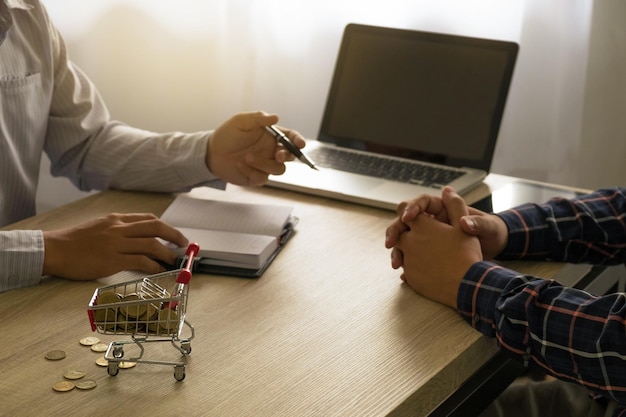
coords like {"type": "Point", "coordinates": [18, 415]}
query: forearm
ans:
{"type": "Point", "coordinates": [568, 333]}
{"type": "Point", "coordinates": [21, 257]}
{"type": "Point", "coordinates": [590, 229]}
{"type": "Point", "coordinates": [95, 152]}
{"type": "Point", "coordinates": [127, 158]}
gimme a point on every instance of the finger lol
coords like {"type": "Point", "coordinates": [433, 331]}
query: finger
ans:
{"type": "Point", "coordinates": [155, 228]}
{"type": "Point", "coordinates": [484, 225]}
{"type": "Point", "coordinates": [134, 262]}
{"type": "Point", "coordinates": [254, 120]}
{"type": "Point", "coordinates": [455, 206]}
{"type": "Point", "coordinates": [393, 233]}
{"type": "Point", "coordinates": [397, 258]}
{"type": "Point", "coordinates": [132, 217]}
{"type": "Point", "coordinates": [283, 155]}
{"type": "Point", "coordinates": [294, 136]}
{"type": "Point", "coordinates": [149, 247]}
{"type": "Point", "coordinates": [408, 210]}
{"type": "Point", "coordinates": [257, 168]}
{"type": "Point", "coordinates": [469, 225]}
{"type": "Point", "coordinates": [250, 175]}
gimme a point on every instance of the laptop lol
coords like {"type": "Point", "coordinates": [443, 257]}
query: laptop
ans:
{"type": "Point", "coordinates": [408, 112]}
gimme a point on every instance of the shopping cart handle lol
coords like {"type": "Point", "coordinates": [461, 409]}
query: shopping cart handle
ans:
{"type": "Point", "coordinates": [185, 274]}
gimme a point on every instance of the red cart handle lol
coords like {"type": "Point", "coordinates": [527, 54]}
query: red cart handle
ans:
{"type": "Point", "coordinates": [185, 274]}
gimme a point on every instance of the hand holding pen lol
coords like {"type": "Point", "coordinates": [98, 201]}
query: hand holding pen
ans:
{"type": "Point", "coordinates": [284, 140]}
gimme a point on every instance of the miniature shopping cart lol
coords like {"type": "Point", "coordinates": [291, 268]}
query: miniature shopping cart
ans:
{"type": "Point", "coordinates": [150, 309]}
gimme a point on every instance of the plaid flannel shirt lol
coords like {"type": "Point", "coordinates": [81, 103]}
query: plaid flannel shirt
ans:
{"type": "Point", "coordinates": [570, 334]}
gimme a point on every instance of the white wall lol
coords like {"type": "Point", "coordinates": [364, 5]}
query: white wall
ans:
{"type": "Point", "coordinates": [191, 64]}
{"type": "Point", "coordinates": [602, 150]}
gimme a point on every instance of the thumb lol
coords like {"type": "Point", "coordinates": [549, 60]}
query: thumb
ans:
{"type": "Point", "coordinates": [455, 206]}
{"type": "Point", "coordinates": [471, 225]}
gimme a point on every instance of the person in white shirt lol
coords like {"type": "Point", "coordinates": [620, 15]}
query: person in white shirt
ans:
{"type": "Point", "coordinates": [48, 105]}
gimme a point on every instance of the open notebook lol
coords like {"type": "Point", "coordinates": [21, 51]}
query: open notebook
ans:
{"type": "Point", "coordinates": [407, 113]}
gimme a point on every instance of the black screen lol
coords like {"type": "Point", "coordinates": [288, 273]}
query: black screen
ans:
{"type": "Point", "coordinates": [419, 95]}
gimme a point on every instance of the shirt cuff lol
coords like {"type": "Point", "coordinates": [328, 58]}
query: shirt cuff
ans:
{"type": "Point", "coordinates": [21, 257]}
{"type": "Point", "coordinates": [194, 171]}
{"type": "Point", "coordinates": [480, 289]}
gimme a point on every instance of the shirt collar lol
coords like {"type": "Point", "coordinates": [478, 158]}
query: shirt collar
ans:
{"type": "Point", "coordinates": [18, 4]}
{"type": "Point", "coordinates": [6, 21]}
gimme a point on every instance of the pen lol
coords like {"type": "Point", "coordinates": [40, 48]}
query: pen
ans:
{"type": "Point", "coordinates": [284, 140]}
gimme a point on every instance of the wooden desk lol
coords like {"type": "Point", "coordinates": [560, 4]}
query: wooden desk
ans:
{"type": "Point", "coordinates": [329, 330]}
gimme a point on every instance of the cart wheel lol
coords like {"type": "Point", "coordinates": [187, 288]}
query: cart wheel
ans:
{"type": "Point", "coordinates": [186, 347]}
{"type": "Point", "coordinates": [118, 352]}
{"type": "Point", "coordinates": [112, 370]}
{"type": "Point", "coordinates": [179, 373]}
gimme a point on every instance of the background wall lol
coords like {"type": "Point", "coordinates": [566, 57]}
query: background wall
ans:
{"type": "Point", "coordinates": [191, 64]}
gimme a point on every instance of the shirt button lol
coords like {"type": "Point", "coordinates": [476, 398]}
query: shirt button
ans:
{"type": "Point", "coordinates": [476, 318]}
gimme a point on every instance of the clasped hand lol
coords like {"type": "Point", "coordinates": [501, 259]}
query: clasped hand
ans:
{"type": "Point", "coordinates": [436, 240]}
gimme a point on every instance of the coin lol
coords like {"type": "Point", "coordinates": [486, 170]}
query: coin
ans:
{"type": "Point", "coordinates": [73, 374]}
{"type": "Point", "coordinates": [89, 341]}
{"type": "Point", "coordinates": [127, 365]}
{"type": "Point", "coordinates": [100, 347]}
{"type": "Point", "coordinates": [101, 361]}
{"type": "Point", "coordinates": [55, 355]}
{"type": "Point", "coordinates": [168, 320]}
{"type": "Point", "coordinates": [106, 315]}
{"type": "Point", "coordinates": [86, 384]}
{"type": "Point", "coordinates": [63, 386]}
{"type": "Point", "coordinates": [108, 298]}
{"type": "Point", "coordinates": [135, 307]}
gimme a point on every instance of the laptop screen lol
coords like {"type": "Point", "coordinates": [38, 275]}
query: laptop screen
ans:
{"type": "Point", "coordinates": [419, 95]}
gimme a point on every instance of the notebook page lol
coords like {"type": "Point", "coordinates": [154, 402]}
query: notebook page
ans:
{"type": "Point", "coordinates": [262, 219]}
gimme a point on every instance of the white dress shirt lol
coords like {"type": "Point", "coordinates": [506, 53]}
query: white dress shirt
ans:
{"type": "Point", "coordinates": [48, 105]}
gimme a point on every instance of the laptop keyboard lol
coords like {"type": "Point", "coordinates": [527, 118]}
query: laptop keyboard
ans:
{"type": "Point", "coordinates": [390, 169]}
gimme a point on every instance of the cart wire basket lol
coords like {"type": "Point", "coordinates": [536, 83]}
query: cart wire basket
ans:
{"type": "Point", "coordinates": [150, 309]}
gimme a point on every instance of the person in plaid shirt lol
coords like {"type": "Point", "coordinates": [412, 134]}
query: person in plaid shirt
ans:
{"type": "Point", "coordinates": [446, 248]}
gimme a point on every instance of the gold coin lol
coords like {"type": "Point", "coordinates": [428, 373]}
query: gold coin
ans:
{"type": "Point", "coordinates": [63, 386]}
{"type": "Point", "coordinates": [100, 347]}
{"type": "Point", "coordinates": [136, 309]}
{"type": "Point", "coordinates": [89, 341]}
{"type": "Point", "coordinates": [86, 384]}
{"type": "Point", "coordinates": [106, 315]}
{"type": "Point", "coordinates": [168, 320]}
{"type": "Point", "coordinates": [73, 374]}
{"type": "Point", "coordinates": [108, 298]}
{"type": "Point", "coordinates": [101, 361]}
{"type": "Point", "coordinates": [55, 355]}
{"type": "Point", "coordinates": [127, 365]}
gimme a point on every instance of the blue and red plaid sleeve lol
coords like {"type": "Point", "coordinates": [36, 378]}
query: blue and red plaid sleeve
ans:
{"type": "Point", "coordinates": [569, 333]}
{"type": "Point", "coordinates": [590, 229]}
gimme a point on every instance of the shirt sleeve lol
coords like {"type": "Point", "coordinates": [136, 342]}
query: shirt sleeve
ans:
{"type": "Point", "coordinates": [568, 333]}
{"type": "Point", "coordinates": [21, 257]}
{"type": "Point", "coordinates": [589, 229]}
{"type": "Point", "coordinates": [95, 152]}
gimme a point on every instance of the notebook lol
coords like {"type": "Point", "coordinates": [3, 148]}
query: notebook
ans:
{"type": "Point", "coordinates": [404, 105]}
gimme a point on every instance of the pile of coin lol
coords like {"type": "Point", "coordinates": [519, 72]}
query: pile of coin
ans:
{"type": "Point", "coordinates": [134, 314]}
{"type": "Point", "coordinates": [74, 378]}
